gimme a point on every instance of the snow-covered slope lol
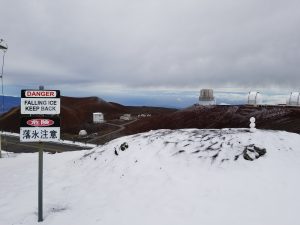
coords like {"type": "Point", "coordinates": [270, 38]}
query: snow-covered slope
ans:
{"type": "Point", "coordinates": [161, 177]}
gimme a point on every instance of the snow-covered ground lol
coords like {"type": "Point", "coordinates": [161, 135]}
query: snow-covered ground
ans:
{"type": "Point", "coordinates": [67, 142]}
{"type": "Point", "coordinates": [163, 177]}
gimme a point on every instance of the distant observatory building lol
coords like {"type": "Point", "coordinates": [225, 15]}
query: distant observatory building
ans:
{"type": "Point", "coordinates": [98, 117]}
{"type": "Point", "coordinates": [126, 117]}
{"type": "Point", "coordinates": [254, 98]}
{"type": "Point", "coordinates": [294, 99]}
{"type": "Point", "coordinates": [207, 97]}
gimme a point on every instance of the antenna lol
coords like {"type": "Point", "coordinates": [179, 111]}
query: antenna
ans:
{"type": "Point", "coordinates": [3, 47]}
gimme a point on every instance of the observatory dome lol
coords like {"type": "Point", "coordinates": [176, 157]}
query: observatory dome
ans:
{"type": "Point", "coordinates": [207, 97]}
{"type": "Point", "coordinates": [294, 99]}
{"type": "Point", "coordinates": [82, 133]}
{"type": "Point", "coordinates": [254, 98]}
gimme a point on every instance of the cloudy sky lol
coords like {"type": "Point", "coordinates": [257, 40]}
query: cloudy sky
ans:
{"type": "Point", "coordinates": [122, 49]}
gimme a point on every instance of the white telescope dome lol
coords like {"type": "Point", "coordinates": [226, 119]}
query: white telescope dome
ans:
{"type": "Point", "coordinates": [254, 98]}
{"type": "Point", "coordinates": [207, 97]}
{"type": "Point", "coordinates": [294, 99]}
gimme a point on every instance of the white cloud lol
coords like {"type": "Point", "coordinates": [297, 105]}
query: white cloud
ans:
{"type": "Point", "coordinates": [132, 44]}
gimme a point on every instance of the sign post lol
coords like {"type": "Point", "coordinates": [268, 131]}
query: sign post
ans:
{"type": "Point", "coordinates": [44, 126]}
{"type": "Point", "coordinates": [0, 145]}
{"type": "Point", "coordinates": [40, 188]}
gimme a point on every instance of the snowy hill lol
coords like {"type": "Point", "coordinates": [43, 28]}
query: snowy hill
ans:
{"type": "Point", "coordinates": [162, 177]}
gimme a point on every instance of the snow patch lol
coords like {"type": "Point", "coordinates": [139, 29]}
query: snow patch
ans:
{"type": "Point", "coordinates": [162, 177]}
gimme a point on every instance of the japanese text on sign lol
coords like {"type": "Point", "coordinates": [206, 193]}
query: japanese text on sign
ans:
{"type": "Point", "coordinates": [38, 134]}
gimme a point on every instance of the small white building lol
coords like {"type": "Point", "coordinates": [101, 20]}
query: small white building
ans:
{"type": "Point", "coordinates": [207, 97]}
{"type": "Point", "coordinates": [254, 98]}
{"type": "Point", "coordinates": [294, 99]}
{"type": "Point", "coordinates": [144, 115]}
{"type": "Point", "coordinates": [126, 117]}
{"type": "Point", "coordinates": [98, 117]}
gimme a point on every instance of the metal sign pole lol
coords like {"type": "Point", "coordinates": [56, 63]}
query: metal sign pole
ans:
{"type": "Point", "coordinates": [0, 145]}
{"type": "Point", "coordinates": [40, 191]}
{"type": "Point", "coordinates": [3, 46]}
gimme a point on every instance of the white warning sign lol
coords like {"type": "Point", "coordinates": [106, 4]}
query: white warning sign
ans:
{"type": "Point", "coordinates": [40, 102]}
{"type": "Point", "coordinates": [39, 129]}
{"type": "Point", "coordinates": [39, 134]}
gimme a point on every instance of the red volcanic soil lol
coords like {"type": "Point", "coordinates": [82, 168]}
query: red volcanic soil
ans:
{"type": "Point", "coordinates": [216, 117]}
{"type": "Point", "coordinates": [77, 113]}
{"type": "Point", "coordinates": [10, 121]}
{"type": "Point", "coordinates": [74, 113]}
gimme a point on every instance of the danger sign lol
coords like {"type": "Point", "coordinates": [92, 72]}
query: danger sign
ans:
{"type": "Point", "coordinates": [43, 94]}
{"type": "Point", "coordinates": [38, 134]}
{"type": "Point", "coordinates": [40, 102]}
{"type": "Point", "coordinates": [46, 126]}
{"type": "Point", "coordinates": [40, 122]}
{"type": "Point", "coordinates": [40, 94]}
{"type": "Point", "coordinates": [39, 129]}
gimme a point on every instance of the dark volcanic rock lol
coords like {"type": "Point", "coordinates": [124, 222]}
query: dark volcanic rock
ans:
{"type": "Point", "coordinates": [76, 114]}
{"type": "Point", "coordinates": [253, 152]}
{"type": "Point", "coordinates": [267, 117]}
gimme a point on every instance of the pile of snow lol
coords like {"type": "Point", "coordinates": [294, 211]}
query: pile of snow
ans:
{"type": "Point", "coordinates": [162, 177]}
{"type": "Point", "coordinates": [5, 154]}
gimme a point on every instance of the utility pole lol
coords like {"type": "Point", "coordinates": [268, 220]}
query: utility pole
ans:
{"type": "Point", "coordinates": [3, 47]}
{"type": "Point", "coordinates": [0, 145]}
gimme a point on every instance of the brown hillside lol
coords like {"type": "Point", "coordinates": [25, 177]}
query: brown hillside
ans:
{"type": "Point", "coordinates": [74, 113]}
{"type": "Point", "coordinates": [267, 117]}
{"type": "Point", "coordinates": [10, 121]}
{"type": "Point", "coordinates": [77, 114]}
